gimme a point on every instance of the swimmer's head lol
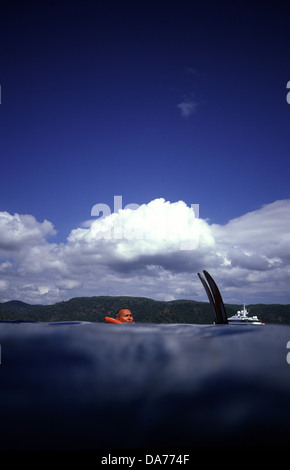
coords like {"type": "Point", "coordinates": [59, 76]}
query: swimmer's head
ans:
{"type": "Point", "coordinates": [125, 316]}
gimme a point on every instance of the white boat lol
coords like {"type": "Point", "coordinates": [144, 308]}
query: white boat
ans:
{"type": "Point", "coordinates": [241, 318]}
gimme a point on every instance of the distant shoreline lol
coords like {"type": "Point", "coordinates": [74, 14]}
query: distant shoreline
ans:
{"type": "Point", "coordinates": [144, 310]}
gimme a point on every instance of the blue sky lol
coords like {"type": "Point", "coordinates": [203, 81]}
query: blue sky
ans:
{"type": "Point", "coordinates": [184, 101]}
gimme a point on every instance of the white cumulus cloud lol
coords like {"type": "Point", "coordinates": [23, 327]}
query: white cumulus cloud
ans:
{"type": "Point", "coordinates": [18, 230]}
{"type": "Point", "coordinates": [154, 251]}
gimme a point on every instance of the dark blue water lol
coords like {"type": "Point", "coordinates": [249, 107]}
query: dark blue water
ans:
{"type": "Point", "coordinates": [91, 386]}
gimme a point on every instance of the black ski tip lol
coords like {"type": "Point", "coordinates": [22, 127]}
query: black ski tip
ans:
{"type": "Point", "coordinates": [210, 297]}
{"type": "Point", "coordinates": [215, 298]}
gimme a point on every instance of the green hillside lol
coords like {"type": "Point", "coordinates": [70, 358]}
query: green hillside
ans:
{"type": "Point", "coordinates": [144, 310]}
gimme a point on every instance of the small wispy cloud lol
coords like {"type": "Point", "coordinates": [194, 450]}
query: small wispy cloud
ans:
{"type": "Point", "coordinates": [192, 71]}
{"type": "Point", "coordinates": [187, 107]}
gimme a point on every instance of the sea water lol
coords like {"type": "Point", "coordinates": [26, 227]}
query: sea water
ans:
{"type": "Point", "coordinates": [81, 385]}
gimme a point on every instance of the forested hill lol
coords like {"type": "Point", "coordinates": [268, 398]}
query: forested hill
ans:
{"type": "Point", "coordinates": [145, 310]}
